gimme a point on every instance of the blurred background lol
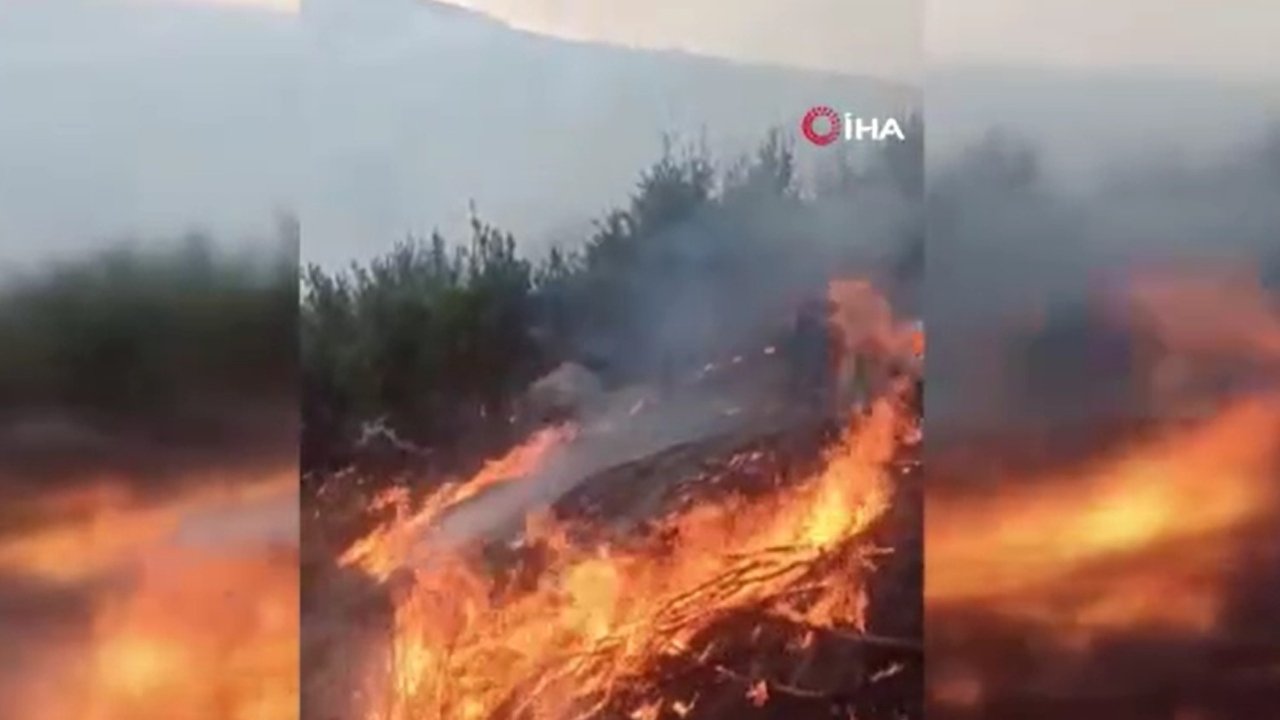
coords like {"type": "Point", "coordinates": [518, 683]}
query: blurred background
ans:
{"type": "Point", "coordinates": [1103, 418]}
{"type": "Point", "coordinates": [148, 409]}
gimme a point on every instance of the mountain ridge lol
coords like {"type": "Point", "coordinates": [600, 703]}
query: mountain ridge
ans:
{"type": "Point", "coordinates": [542, 133]}
{"type": "Point", "coordinates": [472, 18]}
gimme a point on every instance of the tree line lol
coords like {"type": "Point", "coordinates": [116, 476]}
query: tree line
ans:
{"type": "Point", "coordinates": [437, 339]}
{"type": "Point", "coordinates": [145, 334]}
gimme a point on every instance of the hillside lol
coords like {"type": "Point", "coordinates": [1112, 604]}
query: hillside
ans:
{"type": "Point", "coordinates": [420, 107]}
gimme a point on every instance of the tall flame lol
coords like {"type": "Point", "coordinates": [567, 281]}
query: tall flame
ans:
{"type": "Point", "coordinates": [580, 625]}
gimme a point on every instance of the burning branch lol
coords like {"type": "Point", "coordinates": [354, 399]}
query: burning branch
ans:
{"type": "Point", "coordinates": [748, 564]}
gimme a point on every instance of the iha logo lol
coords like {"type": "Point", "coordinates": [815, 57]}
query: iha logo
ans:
{"type": "Point", "coordinates": [823, 126]}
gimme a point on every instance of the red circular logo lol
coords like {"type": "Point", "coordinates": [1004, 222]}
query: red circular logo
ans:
{"type": "Point", "coordinates": [813, 120]}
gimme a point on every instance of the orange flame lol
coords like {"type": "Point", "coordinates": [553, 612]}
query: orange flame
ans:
{"type": "Point", "coordinates": [200, 637]}
{"type": "Point", "coordinates": [585, 623]}
{"type": "Point", "coordinates": [1027, 550]}
{"type": "Point", "coordinates": [599, 617]}
{"type": "Point", "coordinates": [390, 546]}
{"type": "Point", "coordinates": [100, 526]}
{"type": "Point", "coordinates": [194, 608]}
{"type": "Point", "coordinates": [1215, 312]}
{"type": "Point", "coordinates": [1147, 540]}
{"type": "Point", "coordinates": [869, 331]}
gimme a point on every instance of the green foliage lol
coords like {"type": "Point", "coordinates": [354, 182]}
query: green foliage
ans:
{"type": "Point", "coordinates": [431, 339]}
{"type": "Point", "coordinates": [134, 334]}
{"type": "Point", "coordinates": [439, 341]}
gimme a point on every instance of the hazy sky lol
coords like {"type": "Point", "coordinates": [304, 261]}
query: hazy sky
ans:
{"type": "Point", "coordinates": [289, 6]}
{"type": "Point", "coordinates": [126, 116]}
{"type": "Point", "coordinates": [1236, 37]}
{"type": "Point", "coordinates": [865, 37]}
{"type": "Point", "coordinates": [141, 120]}
{"type": "Point", "coordinates": [1233, 37]}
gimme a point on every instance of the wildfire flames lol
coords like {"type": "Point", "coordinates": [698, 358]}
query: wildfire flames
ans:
{"type": "Point", "coordinates": [391, 546]}
{"type": "Point", "coordinates": [586, 618]}
{"type": "Point", "coordinates": [192, 605]}
{"type": "Point", "coordinates": [867, 324]}
{"type": "Point", "coordinates": [1145, 522]}
{"type": "Point", "coordinates": [1147, 541]}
